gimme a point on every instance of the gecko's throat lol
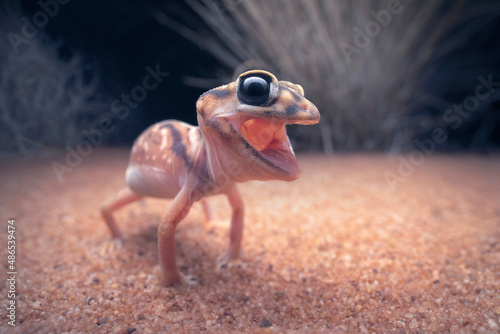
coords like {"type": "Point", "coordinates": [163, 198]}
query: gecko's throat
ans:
{"type": "Point", "coordinates": [269, 138]}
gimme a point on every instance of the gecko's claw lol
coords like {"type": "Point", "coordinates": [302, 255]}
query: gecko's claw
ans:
{"type": "Point", "coordinates": [180, 280]}
{"type": "Point", "coordinates": [188, 280]}
{"type": "Point", "coordinates": [226, 260]}
{"type": "Point", "coordinates": [111, 246]}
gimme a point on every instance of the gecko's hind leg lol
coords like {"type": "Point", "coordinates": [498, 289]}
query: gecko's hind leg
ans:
{"type": "Point", "coordinates": [122, 198]}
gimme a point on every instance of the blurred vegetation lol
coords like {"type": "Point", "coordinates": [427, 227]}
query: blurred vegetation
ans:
{"type": "Point", "coordinates": [378, 91]}
{"type": "Point", "coordinates": [380, 81]}
{"type": "Point", "coordinates": [45, 100]}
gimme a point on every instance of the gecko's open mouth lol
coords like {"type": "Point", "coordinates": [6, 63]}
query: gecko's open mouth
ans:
{"type": "Point", "coordinates": [269, 138]}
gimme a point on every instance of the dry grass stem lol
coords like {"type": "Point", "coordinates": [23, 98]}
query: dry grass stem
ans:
{"type": "Point", "coordinates": [368, 91]}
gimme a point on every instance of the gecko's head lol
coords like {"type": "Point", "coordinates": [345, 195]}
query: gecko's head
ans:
{"type": "Point", "coordinates": [244, 124]}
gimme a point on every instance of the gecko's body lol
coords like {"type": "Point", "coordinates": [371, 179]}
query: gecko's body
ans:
{"type": "Point", "coordinates": [241, 137]}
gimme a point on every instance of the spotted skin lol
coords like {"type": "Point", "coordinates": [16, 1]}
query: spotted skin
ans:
{"type": "Point", "coordinates": [236, 141]}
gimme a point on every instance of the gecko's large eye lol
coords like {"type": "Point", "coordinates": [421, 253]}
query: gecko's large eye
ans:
{"type": "Point", "coordinates": [254, 90]}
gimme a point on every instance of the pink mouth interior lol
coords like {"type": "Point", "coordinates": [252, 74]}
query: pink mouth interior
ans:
{"type": "Point", "coordinates": [270, 139]}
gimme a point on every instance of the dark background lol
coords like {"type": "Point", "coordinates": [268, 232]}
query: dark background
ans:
{"type": "Point", "coordinates": [122, 37]}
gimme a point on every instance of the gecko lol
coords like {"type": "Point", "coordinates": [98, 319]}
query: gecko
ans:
{"type": "Point", "coordinates": [241, 136]}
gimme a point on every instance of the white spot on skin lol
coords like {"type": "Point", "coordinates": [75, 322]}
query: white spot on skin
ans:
{"type": "Point", "coordinates": [193, 136]}
{"type": "Point", "coordinates": [163, 141]}
{"type": "Point", "coordinates": [154, 157]}
{"type": "Point", "coordinates": [169, 161]}
{"type": "Point", "coordinates": [146, 147]}
{"type": "Point", "coordinates": [194, 141]}
{"type": "Point", "coordinates": [163, 157]}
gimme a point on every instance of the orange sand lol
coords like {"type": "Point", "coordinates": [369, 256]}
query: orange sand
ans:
{"type": "Point", "coordinates": [337, 250]}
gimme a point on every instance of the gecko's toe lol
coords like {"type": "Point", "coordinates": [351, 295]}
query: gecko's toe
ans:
{"type": "Point", "coordinates": [226, 261]}
{"type": "Point", "coordinates": [111, 246]}
{"type": "Point", "coordinates": [175, 279]}
{"type": "Point", "coordinates": [222, 262]}
{"type": "Point", "coordinates": [188, 280]}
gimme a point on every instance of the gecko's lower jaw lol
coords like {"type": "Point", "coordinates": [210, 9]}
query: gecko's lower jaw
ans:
{"type": "Point", "coordinates": [268, 137]}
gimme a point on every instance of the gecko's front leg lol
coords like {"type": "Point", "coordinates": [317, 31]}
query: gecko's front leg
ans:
{"type": "Point", "coordinates": [208, 213]}
{"type": "Point", "coordinates": [236, 230]}
{"type": "Point", "coordinates": [176, 211]}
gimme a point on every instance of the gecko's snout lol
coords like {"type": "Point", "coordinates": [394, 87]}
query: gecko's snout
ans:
{"type": "Point", "coordinates": [305, 114]}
